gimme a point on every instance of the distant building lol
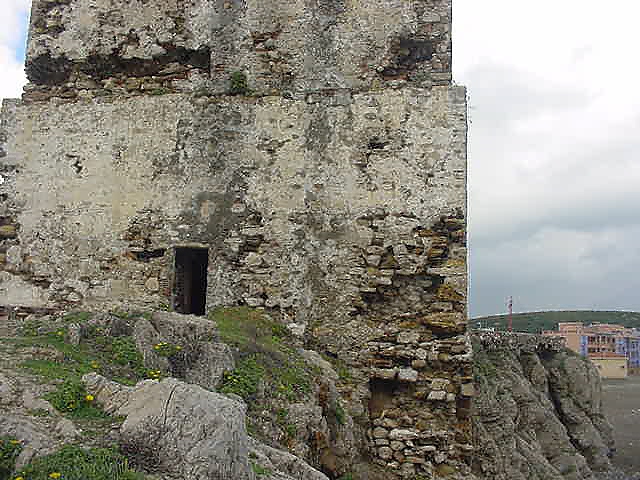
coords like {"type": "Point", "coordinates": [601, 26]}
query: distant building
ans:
{"type": "Point", "coordinates": [608, 345]}
{"type": "Point", "coordinates": [611, 365]}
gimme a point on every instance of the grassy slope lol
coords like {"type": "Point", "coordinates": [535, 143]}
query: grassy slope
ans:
{"type": "Point", "coordinates": [535, 322]}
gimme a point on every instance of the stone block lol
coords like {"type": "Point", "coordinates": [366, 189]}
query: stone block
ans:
{"type": "Point", "coordinates": [468, 390]}
{"type": "Point", "coordinates": [385, 453]}
{"type": "Point", "coordinates": [437, 395]}
{"type": "Point", "coordinates": [8, 231]}
{"type": "Point", "coordinates": [403, 434]}
{"type": "Point", "coordinates": [384, 373]}
{"type": "Point", "coordinates": [380, 432]}
{"type": "Point", "coordinates": [407, 375]}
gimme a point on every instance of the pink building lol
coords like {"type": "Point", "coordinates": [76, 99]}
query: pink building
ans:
{"type": "Point", "coordinates": [601, 340]}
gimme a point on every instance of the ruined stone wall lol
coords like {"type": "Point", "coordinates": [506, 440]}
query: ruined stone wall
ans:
{"type": "Point", "coordinates": [330, 190]}
{"type": "Point", "coordinates": [110, 47]}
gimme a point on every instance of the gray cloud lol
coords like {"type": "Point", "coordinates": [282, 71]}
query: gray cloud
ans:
{"type": "Point", "coordinates": [553, 160]}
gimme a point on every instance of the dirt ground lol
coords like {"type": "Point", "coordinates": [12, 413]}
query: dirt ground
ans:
{"type": "Point", "coordinates": [621, 400]}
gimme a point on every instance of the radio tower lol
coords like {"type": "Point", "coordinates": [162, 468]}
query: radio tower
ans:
{"type": "Point", "coordinates": [510, 317]}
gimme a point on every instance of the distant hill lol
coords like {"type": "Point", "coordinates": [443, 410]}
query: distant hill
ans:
{"type": "Point", "coordinates": [535, 322]}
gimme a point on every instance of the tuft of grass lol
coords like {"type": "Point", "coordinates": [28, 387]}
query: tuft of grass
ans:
{"type": "Point", "coordinates": [259, 470]}
{"type": "Point", "coordinates": [10, 448]}
{"type": "Point", "coordinates": [71, 398]}
{"type": "Point", "coordinates": [245, 380]}
{"type": "Point", "coordinates": [54, 370]}
{"type": "Point", "coordinates": [75, 463]}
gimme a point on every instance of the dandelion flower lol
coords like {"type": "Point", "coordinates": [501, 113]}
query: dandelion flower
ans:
{"type": "Point", "coordinates": [55, 475]}
{"type": "Point", "coordinates": [14, 442]}
{"type": "Point", "coordinates": [178, 347]}
{"type": "Point", "coordinates": [60, 334]}
{"type": "Point", "coordinates": [89, 398]}
{"type": "Point", "coordinates": [19, 478]}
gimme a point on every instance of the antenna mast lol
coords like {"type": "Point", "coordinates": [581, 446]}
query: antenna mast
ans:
{"type": "Point", "coordinates": [510, 317]}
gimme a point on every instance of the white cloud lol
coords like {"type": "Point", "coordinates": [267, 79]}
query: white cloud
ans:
{"type": "Point", "coordinates": [553, 154]}
{"type": "Point", "coordinates": [12, 77]}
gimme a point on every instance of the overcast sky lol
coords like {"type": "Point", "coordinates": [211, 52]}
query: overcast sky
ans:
{"type": "Point", "coordinates": [554, 176]}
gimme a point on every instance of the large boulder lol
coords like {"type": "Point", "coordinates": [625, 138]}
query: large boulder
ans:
{"type": "Point", "coordinates": [178, 428]}
{"type": "Point", "coordinates": [184, 431]}
{"type": "Point", "coordinates": [201, 360]}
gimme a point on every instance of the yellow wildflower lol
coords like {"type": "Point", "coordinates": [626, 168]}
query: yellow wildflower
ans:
{"type": "Point", "coordinates": [19, 478]}
{"type": "Point", "coordinates": [60, 334]}
{"type": "Point", "coordinates": [89, 398]}
{"type": "Point", "coordinates": [55, 475]}
{"type": "Point", "coordinates": [178, 347]}
{"type": "Point", "coordinates": [14, 442]}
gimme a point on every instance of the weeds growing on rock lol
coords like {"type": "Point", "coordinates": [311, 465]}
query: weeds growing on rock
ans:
{"type": "Point", "coordinates": [239, 84]}
{"type": "Point", "coordinates": [10, 448]}
{"type": "Point", "coordinates": [75, 463]}
{"type": "Point", "coordinates": [259, 470]}
{"type": "Point", "coordinates": [71, 398]}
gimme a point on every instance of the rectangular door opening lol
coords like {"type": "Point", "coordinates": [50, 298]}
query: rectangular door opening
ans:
{"type": "Point", "coordinates": [190, 282]}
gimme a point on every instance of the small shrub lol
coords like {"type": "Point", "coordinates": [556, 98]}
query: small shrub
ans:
{"type": "Point", "coordinates": [238, 84]}
{"type": "Point", "coordinates": [75, 463]}
{"type": "Point", "coordinates": [10, 448]}
{"type": "Point", "coordinates": [340, 414]}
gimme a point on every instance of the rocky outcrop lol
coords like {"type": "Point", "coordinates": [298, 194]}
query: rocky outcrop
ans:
{"type": "Point", "coordinates": [185, 431]}
{"type": "Point", "coordinates": [196, 354]}
{"type": "Point", "coordinates": [538, 414]}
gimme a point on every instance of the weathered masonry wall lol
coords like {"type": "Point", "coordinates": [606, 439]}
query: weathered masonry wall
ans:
{"type": "Point", "coordinates": [109, 47]}
{"type": "Point", "coordinates": [331, 193]}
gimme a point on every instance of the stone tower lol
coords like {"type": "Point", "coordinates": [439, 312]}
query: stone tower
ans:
{"type": "Point", "coordinates": [307, 157]}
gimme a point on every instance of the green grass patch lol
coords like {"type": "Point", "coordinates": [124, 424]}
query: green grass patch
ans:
{"type": "Point", "coordinates": [265, 356]}
{"type": "Point", "coordinates": [77, 317]}
{"type": "Point", "coordinates": [54, 370]}
{"type": "Point", "coordinates": [75, 463]}
{"type": "Point", "coordinates": [259, 470]}
{"type": "Point", "coordinates": [10, 448]}
{"type": "Point", "coordinates": [245, 380]}
{"type": "Point", "coordinates": [71, 398]}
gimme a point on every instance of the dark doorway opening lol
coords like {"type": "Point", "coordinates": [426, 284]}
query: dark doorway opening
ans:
{"type": "Point", "coordinates": [190, 283]}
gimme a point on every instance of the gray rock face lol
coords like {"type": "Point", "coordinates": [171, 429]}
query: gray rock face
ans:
{"type": "Point", "coordinates": [201, 359]}
{"type": "Point", "coordinates": [182, 430]}
{"type": "Point", "coordinates": [179, 428]}
{"type": "Point", "coordinates": [277, 460]}
{"type": "Point", "coordinates": [538, 416]}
